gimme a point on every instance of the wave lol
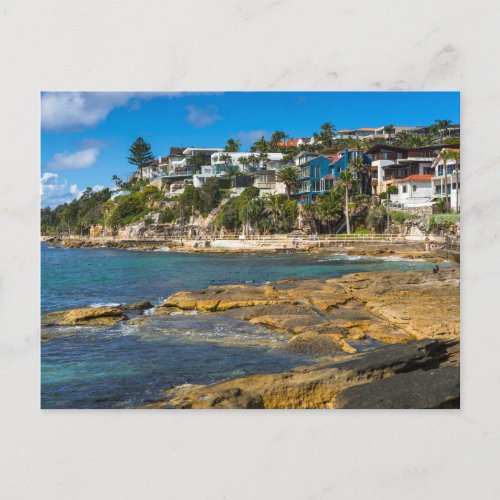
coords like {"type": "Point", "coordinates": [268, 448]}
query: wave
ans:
{"type": "Point", "coordinates": [342, 256]}
{"type": "Point", "coordinates": [105, 304]}
{"type": "Point", "coordinates": [162, 249]}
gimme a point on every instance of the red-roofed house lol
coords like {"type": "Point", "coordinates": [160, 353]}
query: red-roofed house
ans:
{"type": "Point", "coordinates": [414, 191]}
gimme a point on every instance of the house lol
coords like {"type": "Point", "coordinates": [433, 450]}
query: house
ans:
{"type": "Point", "coordinates": [206, 172]}
{"type": "Point", "coordinates": [266, 181]}
{"type": "Point", "coordinates": [452, 178]}
{"type": "Point", "coordinates": [392, 163]}
{"type": "Point", "coordinates": [295, 143]}
{"type": "Point", "coordinates": [414, 191]}
{"type": "Point", "coordinates": [340, 162]}
{"type": "Point", "coordinates": [274, 162]}
{"type": "Point", "coordinates": [372, 133]}
{"type": "Point", "coordinates": [314, 175]}
{"type": "Point", "coordinates": [239, 183]}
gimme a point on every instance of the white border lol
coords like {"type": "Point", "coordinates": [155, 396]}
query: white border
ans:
{"type": "Point", "coordinates": [241, 45]}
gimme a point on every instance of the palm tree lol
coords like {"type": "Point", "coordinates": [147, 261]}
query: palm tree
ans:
{"type": "Point", "coordinates": [232, 146]}
{"type": "Point", "coordinates": [226, 158]}
{"type": "Point", "coordinates": [346, 181]}
{"type": "Point", "coordinates": [277, 136]}
{"type": "Point", "coordinates": [273, 204]}
{"type": "Point", "coordinates": [442, 126]}
{"type": "Point", "coordinates": [326, 134]}
{"type": "Point", "coordinates": [253, 160]}
{"type": "Point", "coordinates": [260, 145]}
{"type": "Point", "coordinates": [445, 156]}
{"type": "Point", "coordinates": [289, 176]}
{"type": "Point", "coordinates": [362, 171]}
{"type": "Point", "coordinates": [244, 161]}
{"type": "Point", "coordinates": [263, 159]}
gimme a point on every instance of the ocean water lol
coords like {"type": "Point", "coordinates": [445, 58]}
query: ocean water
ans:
{"type": "Point", "coordinates": [129, 365]}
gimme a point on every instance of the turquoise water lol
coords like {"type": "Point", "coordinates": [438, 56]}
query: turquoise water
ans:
{"type": "Point", "coordinates": [130, 365]}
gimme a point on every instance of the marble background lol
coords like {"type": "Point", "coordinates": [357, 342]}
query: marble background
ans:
{"type": "Point", "coordinates": [243, 45]}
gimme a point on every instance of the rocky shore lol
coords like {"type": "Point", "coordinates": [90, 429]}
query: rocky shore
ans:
{"type": "Point", "coordinates": [409, 250]}
{"type": "Point", "coordinates": [381, 340]}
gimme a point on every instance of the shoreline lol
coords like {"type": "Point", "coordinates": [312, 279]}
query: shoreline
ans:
{"type": "Point", "coordinates": [368, 248]}
{"type": "Point", "coordinates": [418, 340]}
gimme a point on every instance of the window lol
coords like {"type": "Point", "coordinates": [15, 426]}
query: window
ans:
{"type": "Point", "coordinates": [414, 187]}
{"type": "Point", "coordinates": [440, 170]}
{"type": "Point", "coordinates": [404, 189]}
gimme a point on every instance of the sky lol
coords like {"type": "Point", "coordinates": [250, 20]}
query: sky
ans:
{"type": "Point", "coordinates": [85, 136]}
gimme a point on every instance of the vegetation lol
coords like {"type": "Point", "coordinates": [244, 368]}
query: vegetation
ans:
{"type": "Point", "coordinates": [253, 214]}
{"type": "Point", "coordinates": [77, 216]}
{"type": "Point", "coordinates": [140, 155]}
{"type": "Point", "coordinates": [232, 146]}
{"type": "Point", "coordinates": [348, 204]}
{"type": "Point", "coordinates": [289, 176]}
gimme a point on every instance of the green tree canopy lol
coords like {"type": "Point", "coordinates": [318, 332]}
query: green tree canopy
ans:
{"type": "Point", "coordinates": [140, 155]}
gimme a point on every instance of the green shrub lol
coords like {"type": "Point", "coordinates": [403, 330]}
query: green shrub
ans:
{"type": "Point", "coordinates": [400, 217]}
{"type": "Point", "coordinates": [445, 218]}
{"type": "Point", "coordinates": [167, 216]}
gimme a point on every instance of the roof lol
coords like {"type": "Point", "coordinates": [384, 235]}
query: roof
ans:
{"type": "Point", "coordinates": [417, 178]}
{"type": "Point", "coordinates": [334, 157]}
{"type": "Point", "coordinates": [329, 176]}
{"type": "Point", "coordinates": [367, 129]}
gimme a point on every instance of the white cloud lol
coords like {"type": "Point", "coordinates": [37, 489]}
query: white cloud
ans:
{"type": "Point", "coordinates": [250, 136]}
{"type": "Point", "coordinates": [202, 117]}
{"type": "Point", "coordinates": [84, 158]}
{"type": "Point", "coordinates": [77, 110]}
{"type": "Point", "coordinates": [55, 193]}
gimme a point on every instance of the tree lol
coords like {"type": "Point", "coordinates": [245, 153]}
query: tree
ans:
{"type": "Point", "coordinates": [442, 126]}
{"type": "Point", "coordinates": [326, 134]}
{"type": "Point", "coordinates": [346, 181]}
{"type": "Point", "coordinates": [289, 176]}
{"type": "Point", "coordinates": [232, 146]}
{"type": "Point", "coordinates": [263, 159]}
{"type": "Point", "coordinates": [277, 137]}
{"type": "Point", "coordinates": [363, 172]}
{"type": "Point", "coordinates": [140, 155]}
{"type": "Point", "coordinates": [446, 155]}
{"type": "Point", "coordinates": [253, 160]}
{"type": "Point", "coordinates": [376, 218]}
{"type": "Point", "coordinates": [260, 146]}
{"type": "Point", "coordinates": [244, 162]}
{"type": "Point", "coordinates": [199, 159]}
{"type": "Point", "coordinates": [226, 158]}
{"type": "Point", "coordinates": [118, 182]}
{"type": "Point", "coordinates": [231, 171]}
{"type": "Point", "coordinates": [273, 204]}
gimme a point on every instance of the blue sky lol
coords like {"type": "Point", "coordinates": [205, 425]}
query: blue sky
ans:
{"type": "Point", "coordinates": [85, 136]}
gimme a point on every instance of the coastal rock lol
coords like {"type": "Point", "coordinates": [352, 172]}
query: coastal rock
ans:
{"type": "Point", "coordinates": [439, 388]}
{"type": "Point", "coordinates": [389, 307]}
{"type": "Point", "coordinates": [422, 304]}
{"type": "Point", "coordinates": [232, 398]}
{"type": "Point", "coordinates": [85, 316]}
{"type": "Point", "coordinates": [137, 306]}
{"type": "Point", "coordinates": [317, 386]}
{"type": "Point", "coordinates": [225, 298]}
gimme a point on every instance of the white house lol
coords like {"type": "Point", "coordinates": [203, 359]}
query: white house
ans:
{"type": "Point", "coordinates": [207, 171]}
{"type": "Point", "coordinates": [452, 179]}
{"type": "Point", "coordinates": [274, 162]}
{"type": "Point", "coordinates": [414, 191]}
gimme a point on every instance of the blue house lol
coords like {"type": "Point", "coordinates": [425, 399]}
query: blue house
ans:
{"type": "Point", "coordinates": [341, 160]}
{"type": "Point", "coordinates": [315, 176]}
